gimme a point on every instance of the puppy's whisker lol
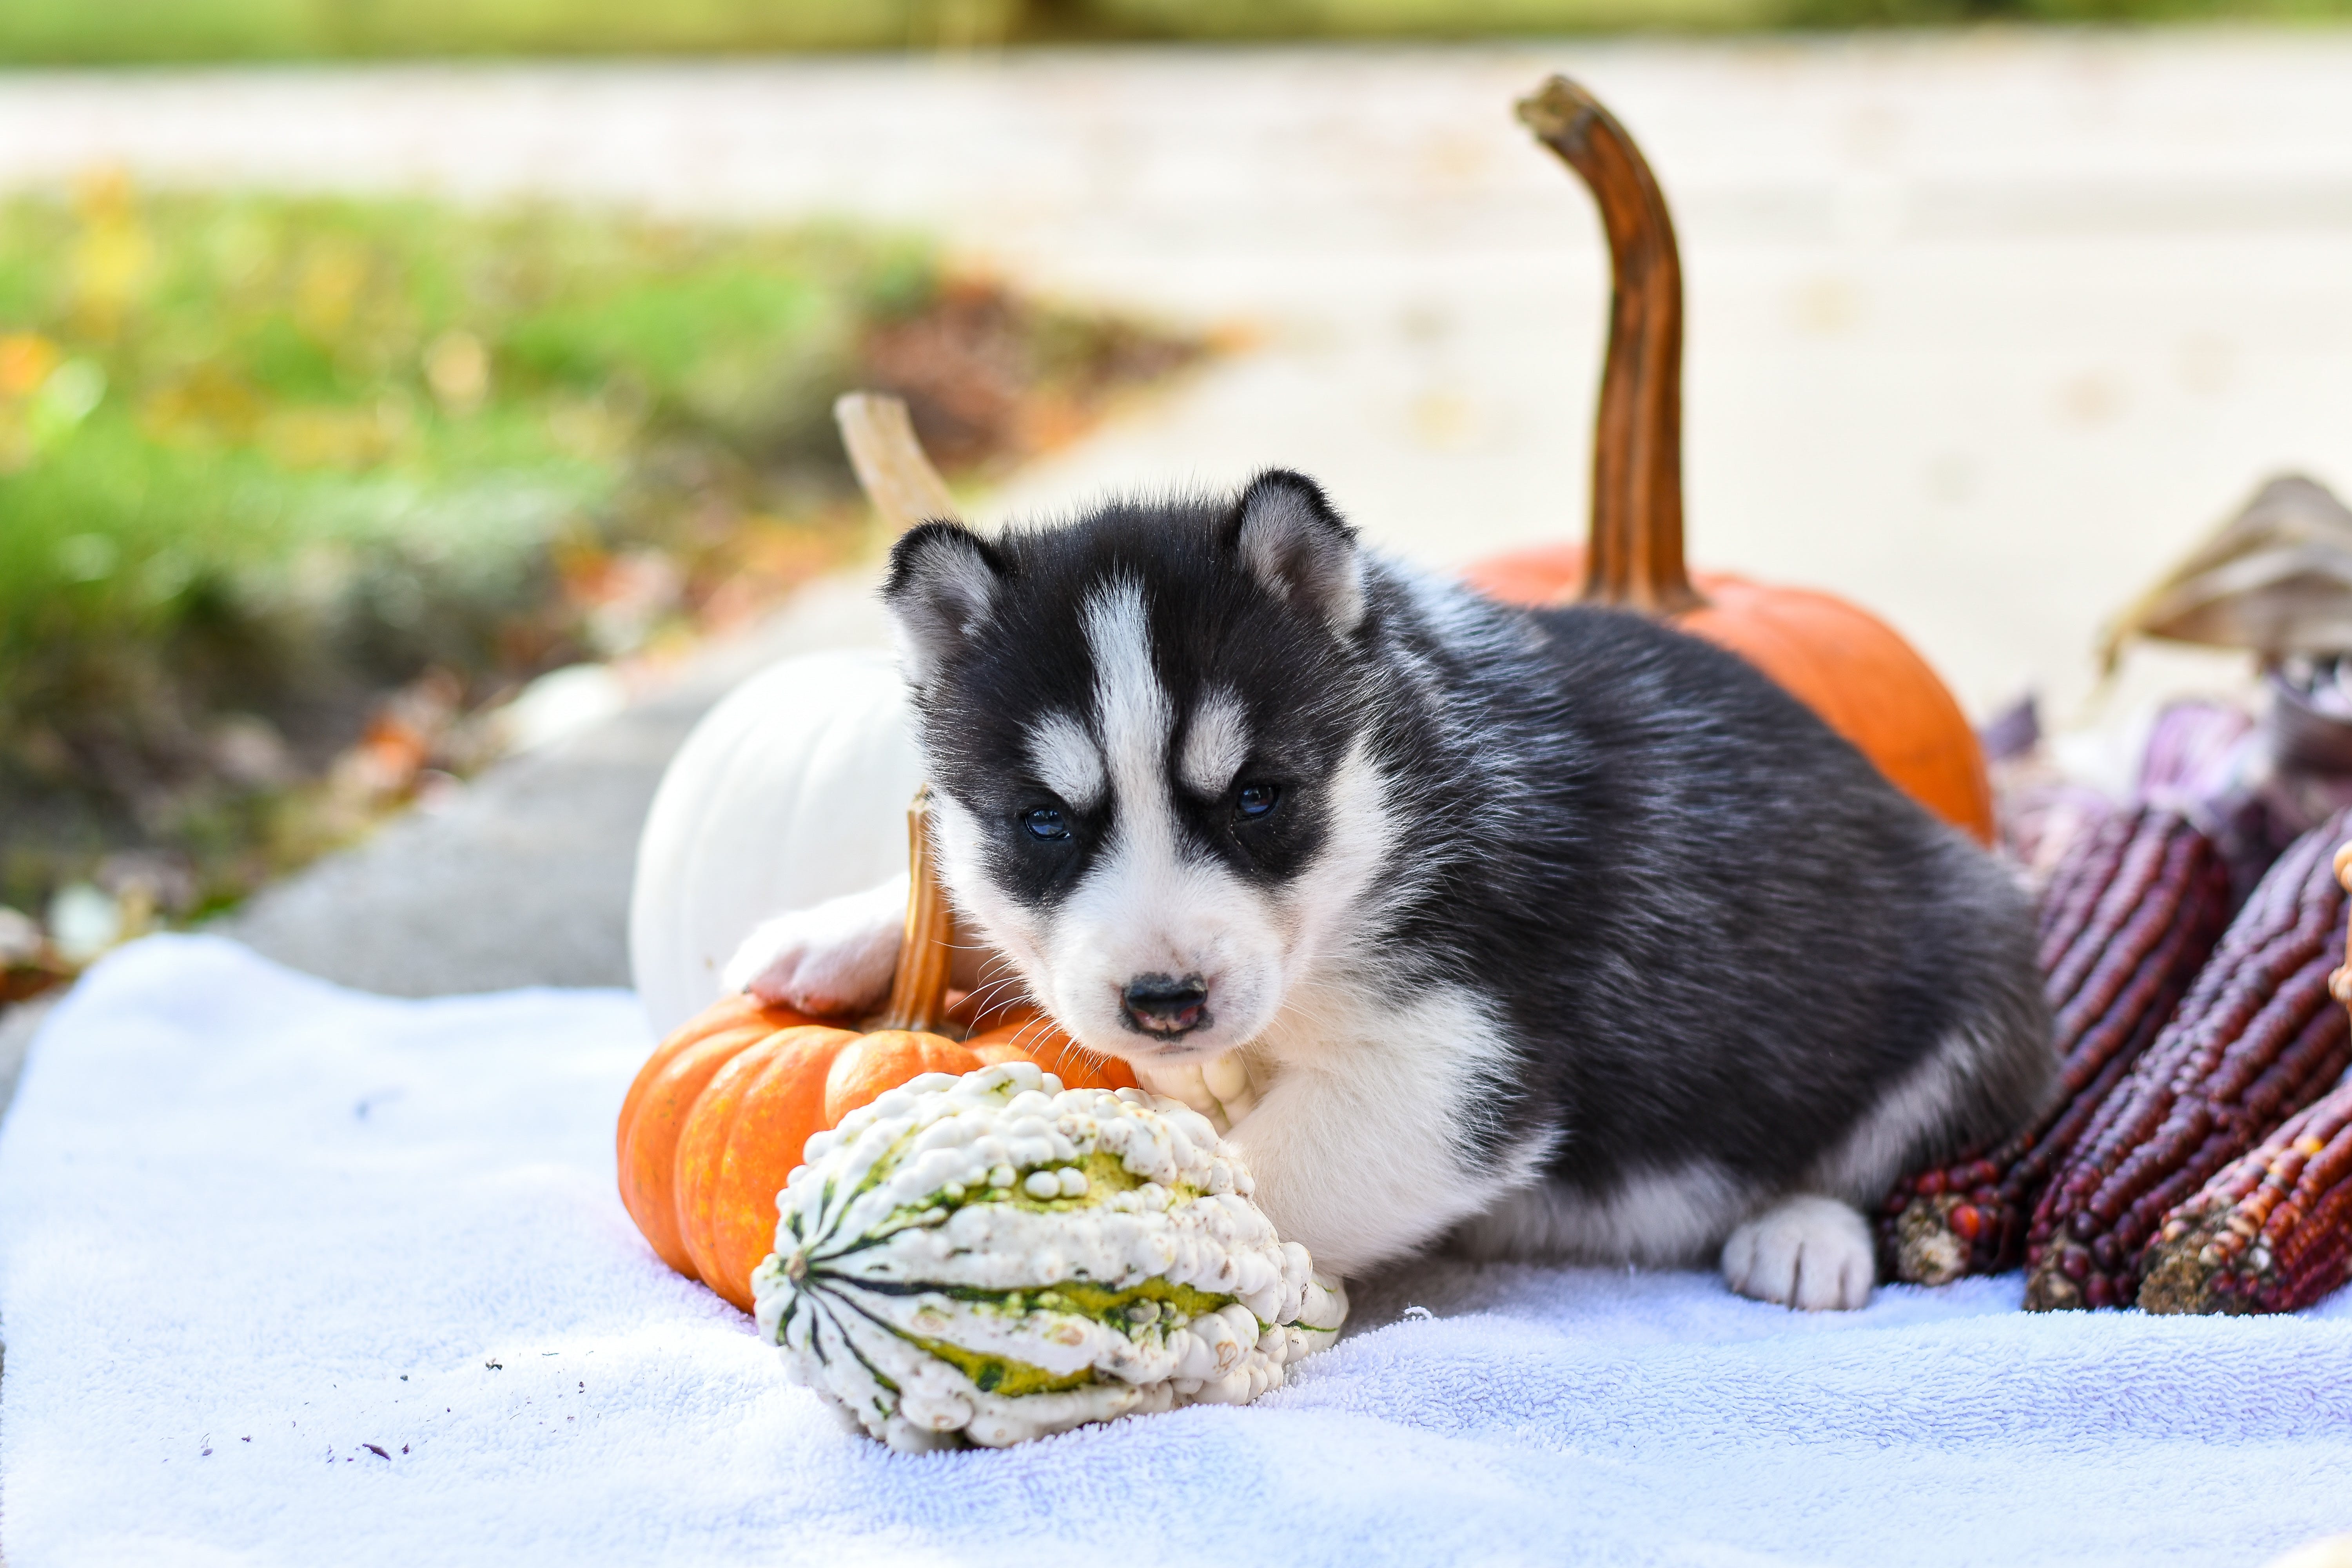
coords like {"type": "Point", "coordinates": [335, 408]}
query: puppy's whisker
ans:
{"type": "Point", "coordinates": [989, 993]}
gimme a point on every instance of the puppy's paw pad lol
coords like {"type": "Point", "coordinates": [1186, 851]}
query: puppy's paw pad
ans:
{"type": "Point", "coordinates": [1810, 1252]}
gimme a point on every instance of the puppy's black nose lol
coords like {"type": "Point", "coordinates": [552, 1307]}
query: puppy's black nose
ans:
{"type": "Point", "coordinates": [1162, 1005]}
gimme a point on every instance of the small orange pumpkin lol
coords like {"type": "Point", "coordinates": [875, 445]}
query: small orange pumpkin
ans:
{"type": "Point", "coordinates": [1846, 665]}
{"type": "Point", "coordinates": [654, 1112]}
{"type": "Point", "coordinates": [720, 1113]}
{"type": "Point", "coordinates": [1027, 1036]}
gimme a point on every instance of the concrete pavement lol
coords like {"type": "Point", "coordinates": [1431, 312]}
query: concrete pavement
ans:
{"type": "Point", "coordinates": [522, 878]}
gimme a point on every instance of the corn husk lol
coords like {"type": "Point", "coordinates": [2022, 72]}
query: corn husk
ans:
{"type": "Point", "coordinates": [2276, 579]}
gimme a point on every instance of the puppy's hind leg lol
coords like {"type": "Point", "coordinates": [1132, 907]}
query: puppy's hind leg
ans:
{"type": "Point", "coordinates": [1808, 1252]}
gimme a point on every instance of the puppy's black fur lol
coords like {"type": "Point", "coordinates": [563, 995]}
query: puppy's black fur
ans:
{"type": "Point", "coordinates": [1710, 926]}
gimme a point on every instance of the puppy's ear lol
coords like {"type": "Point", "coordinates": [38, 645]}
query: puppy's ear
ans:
{"type": "Point", "coordinates": [1291, 541]}
{"type": "Point", "coordinates": [941, 591]}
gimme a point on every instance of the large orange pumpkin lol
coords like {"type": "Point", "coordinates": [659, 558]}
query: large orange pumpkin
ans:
{"type": "Point", "coordinates": [719, 1113]}
{"type": "Point", "coordinates": [1843, 663]}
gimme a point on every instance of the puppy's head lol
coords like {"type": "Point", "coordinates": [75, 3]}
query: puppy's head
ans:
{"type": "Point", "coordinates": [1143, 730]}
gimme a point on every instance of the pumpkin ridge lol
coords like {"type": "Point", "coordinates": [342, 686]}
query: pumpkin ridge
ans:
{"type": "Point", "coordinates": [728, 1013]}
{"type": "Point", "coordinates": [661, 1104]}
{"type": "Point", "coordinates": [700, 1150]}
{"type": "Point", "coordinates": [771, 1127]}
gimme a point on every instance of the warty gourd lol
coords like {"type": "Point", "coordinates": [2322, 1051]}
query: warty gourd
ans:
{"type": "Point", "coordinates": [991, 1259]}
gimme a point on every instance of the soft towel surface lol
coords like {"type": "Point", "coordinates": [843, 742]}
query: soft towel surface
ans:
{"type": "Point", "coordinates": [291, 1275]}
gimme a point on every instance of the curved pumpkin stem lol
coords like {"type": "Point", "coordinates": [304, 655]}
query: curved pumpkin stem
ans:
{"type": "Point", "coordinates": [918, 991]}
{"type": "Point", "coordinates": [892, 468]}
{"type": "Point", "coordinates": [1635, 557]}
{"type": "Point", "coordinates": [897, 477]}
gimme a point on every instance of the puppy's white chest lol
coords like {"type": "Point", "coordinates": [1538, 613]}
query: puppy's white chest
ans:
{"type": "Point", "coordinates": [1359, 1145]}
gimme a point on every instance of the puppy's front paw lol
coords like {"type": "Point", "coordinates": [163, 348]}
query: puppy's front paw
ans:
{"type": "Point", "coordinates": [834, 959]}
{"type": "Point", "coordinates": [1221, 1089]}
{"type": "Point", "coordinates": [1812, 1253]}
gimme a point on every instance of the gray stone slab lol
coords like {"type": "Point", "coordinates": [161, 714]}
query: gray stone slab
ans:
{"type": "Point", "coordinates": [521, 879]}
{"type": "Point", "coordinates": [523, 876]}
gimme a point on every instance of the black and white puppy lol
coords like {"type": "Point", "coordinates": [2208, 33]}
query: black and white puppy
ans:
{"type": "Point", "coordinates": [1559, 934]}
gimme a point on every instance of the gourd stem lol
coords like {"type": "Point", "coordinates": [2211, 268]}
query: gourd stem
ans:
{"type": "Point", "coordinates": [1636, 556]}
{"type": "Point", "coordinates": [892, 468]}
{"type": "Point", "coordinates": [899, 478]}
{"type": "Point", "coordinates": [918, 991]}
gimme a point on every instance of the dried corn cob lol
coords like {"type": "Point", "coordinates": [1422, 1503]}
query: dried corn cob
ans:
{"type": "Point", "coordinates": [2129, 916]}
{"type": "Point", "coordinates": [2272, 1232]}
{"type": "Point", "coordinates": [2081, 877]}
{"type": "Point", "coordinates": [2256, 1039]}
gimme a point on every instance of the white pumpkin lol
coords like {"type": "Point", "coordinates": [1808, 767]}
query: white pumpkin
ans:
{"type": "Point", "coordinates": [792, 791]}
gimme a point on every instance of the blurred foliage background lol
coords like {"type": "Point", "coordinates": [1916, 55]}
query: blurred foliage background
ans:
{"type": "Point", "coordinates": [154, 30]}
{"type": "Point", "coordinates": [299, 495]}
{"type": "Point", "coordinates": [311, 507]}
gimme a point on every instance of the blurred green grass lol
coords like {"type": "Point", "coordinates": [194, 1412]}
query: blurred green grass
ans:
{"type": "Point", "coordinates": [76, 31]}
{"type": "Point", "coordinates": [240, 420]}
{"type": "Point", "coordinates": [273, 469]}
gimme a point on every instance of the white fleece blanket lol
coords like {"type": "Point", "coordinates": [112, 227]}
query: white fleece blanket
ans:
{"type": "Point", "coordinates": [291, 1275]}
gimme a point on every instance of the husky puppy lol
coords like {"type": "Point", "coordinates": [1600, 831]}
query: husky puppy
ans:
{"type": "Point", "coordinates": [1555, 934]}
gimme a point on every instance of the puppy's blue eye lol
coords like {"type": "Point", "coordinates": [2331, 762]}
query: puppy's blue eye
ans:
{"type": "Point", "coordinates": [1045, 822]}
{"type": "Point", "coordinates": [1256, 800]}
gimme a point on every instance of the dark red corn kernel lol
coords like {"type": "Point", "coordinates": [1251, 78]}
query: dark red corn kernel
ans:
{"type": "Point", "coordinates": [2143, 856]}
{"type": "Point", "coordinates": [2146, 925]}
{"type": "Point", "coordinates": [2077, 883]}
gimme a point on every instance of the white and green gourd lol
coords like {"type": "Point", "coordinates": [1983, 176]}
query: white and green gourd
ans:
{"type": "Point", "coordinates": [989, 1258]}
